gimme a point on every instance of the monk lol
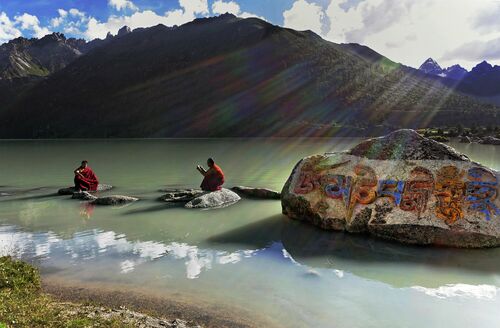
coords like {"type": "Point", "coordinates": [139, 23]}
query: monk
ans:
{"type": "Point", "coordinates": [213, 177]}
{"type": "Point", "coordinates": [85, 179]}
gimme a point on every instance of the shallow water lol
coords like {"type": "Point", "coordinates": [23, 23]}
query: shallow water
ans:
{"type": "Point", "coordinates": [247, 256]}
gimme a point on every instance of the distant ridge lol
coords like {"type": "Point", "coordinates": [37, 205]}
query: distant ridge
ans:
{"type": "Point", "coordinates": [229, 76]}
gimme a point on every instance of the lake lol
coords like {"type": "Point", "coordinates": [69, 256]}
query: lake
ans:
{"type": "Point", "coordinates": [246, 260]}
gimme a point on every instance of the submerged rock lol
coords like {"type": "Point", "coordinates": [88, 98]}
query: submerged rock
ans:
{"type": "Point", "coordinates": [401, 187]}
{"type": "Point", "coordinates": [72, 190]}
{"type": "Point", "coordinates": [114, 200]}
{"type": "Point", "coordinates": [214, 199]}
{"type": "Point", "coordinates": [83, 195]}
{"type": "Point", "coordinates": [262, 193]}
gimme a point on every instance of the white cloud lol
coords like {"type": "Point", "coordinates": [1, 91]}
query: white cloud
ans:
{"type": "Point", "coordinates": [31, 22]}
{"type": "Point", "coordinates": [410, 31]}
{"type": "Point", "coordinates": [122, 4]}
{"type": "Point", "coordinates": [221, 7]}
{"type": "Point", "coordinates": [76, 13]}
{"type": "Point", "coordinates": [7, 29]}
{"type": "Point", "coordinates": [147, 18]}
{"type": "Point", "coordinates": [304, 16]}
{"type": "Point", "coordinates": [56, 21]}
{"type": "Point", "coordinates": [70, 21]}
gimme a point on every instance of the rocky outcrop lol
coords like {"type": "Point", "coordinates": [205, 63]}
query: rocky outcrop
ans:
{"type": "Point", "coordinates": [490, 141]}
{"type": "Point", "coordinates": [260, 193]}
{"type": "Point", "coordinates": [401, 187]}
{"type": "Point", "coordinates": [114, 200]}
{"type": "Point", "coordinates": [214, 199]}
{"type": "Point", "coordinates": [72, 190]}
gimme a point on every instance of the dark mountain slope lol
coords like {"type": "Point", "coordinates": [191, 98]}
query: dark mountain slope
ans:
{"type": "Point", "coordinates": [226, 76]}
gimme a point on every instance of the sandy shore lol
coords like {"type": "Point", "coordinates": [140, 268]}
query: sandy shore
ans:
{"type": "Point", "coordinates": [170, 307]}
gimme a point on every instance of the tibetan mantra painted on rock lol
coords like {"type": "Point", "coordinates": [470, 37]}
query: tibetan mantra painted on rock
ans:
{"type": "Point", "coordinates": [453, 189]}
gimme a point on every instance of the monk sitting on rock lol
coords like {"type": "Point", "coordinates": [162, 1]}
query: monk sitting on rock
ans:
{"type": "Point", "coordinates": [85, 179]}
{"type": "Point", "coordinates": [213, 177]}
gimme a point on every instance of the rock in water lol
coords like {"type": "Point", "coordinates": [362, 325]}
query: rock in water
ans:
{"type": "Point", "coordinates": [181, 195]}
{"type": "Point", "coordinates": [214, 199]}
{"type": "Point", "coordinates": [401, 187]}
{"type": "Point", "coordinates": [262, 193]}
{"type": "Point", "coordinates": [490, 141]}
{"type": "Point", "coordinates": [72, 190]}
{"type": "Point", "coordinates": [114, 200]}
{"type": "Point", "coordinates": [83, 195]}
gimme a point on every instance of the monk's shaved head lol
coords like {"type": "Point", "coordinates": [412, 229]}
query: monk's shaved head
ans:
{"type": "Point", "coordinates": [210, 161]}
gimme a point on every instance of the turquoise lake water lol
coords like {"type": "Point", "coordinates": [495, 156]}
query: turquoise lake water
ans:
{"type": "Point", "coordinates": [245, 257]}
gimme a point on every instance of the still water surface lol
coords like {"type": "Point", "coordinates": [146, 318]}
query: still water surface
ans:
{"type": "Point", "coordinates": [247, 256]}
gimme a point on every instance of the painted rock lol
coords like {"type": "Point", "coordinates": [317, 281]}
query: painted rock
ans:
{"type": "Point", "coordinates": [214, 199]}
{"type": "Point", "coordinates": [401, 187]}
{"type": "Point", "coordinates": [261, 193]}
{"type": "Point", "coordinates": [114, 200]}
{"type": "Point", "coordinates": [72, 190]}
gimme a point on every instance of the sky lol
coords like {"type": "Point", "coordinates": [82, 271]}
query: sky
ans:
{"type": "Point", "coordinates": [463, 32]}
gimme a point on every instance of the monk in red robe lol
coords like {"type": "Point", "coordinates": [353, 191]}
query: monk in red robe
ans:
{"type": "Point", "coordinates": [213, 177]}
{"type": "Point", "coordinates": [85, 179]}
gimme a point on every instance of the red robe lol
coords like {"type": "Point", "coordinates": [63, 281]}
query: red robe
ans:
{"type": "Point", "coordinates": [87, 180]}
{"type": "Point", "coordinates": [213, 180]}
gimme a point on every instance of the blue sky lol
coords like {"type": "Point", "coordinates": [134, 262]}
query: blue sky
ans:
{"type": "Point", "coordinates": [407, 31]}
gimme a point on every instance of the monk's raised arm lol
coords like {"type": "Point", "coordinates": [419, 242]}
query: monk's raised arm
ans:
{"type": "Point", "coordinates": [201, 170]}
{"type": "Point", "coordinates": [77, 170]}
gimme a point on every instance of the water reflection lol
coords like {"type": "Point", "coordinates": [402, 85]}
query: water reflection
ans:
{"type": "Point", "coordinates": [89, 245]}
{"type": "Point", "coordinates": [368, 257]}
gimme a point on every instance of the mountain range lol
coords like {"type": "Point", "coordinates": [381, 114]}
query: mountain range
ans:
{"type": "Point", "coordinates": [216, 77]}
{"type": "Point", "coordinates": [482, 81]}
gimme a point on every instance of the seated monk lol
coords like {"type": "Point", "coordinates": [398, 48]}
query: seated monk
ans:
{"type": "Point", "coordinates": [213, 177]}
{"type": "Point", "coordinates": [85, 179]}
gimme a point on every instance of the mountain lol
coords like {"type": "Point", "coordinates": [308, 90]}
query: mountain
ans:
{"type": "Point", "coordinates": [455, 72]}
{"type": "Point", "coordinates": [227, 76]}
{"type": "Point", "coordinates": [482, 81]}
{"type": "Point", "coordinates": [23, 57]}
{"type": "Point", "coordinates": [430, 66]}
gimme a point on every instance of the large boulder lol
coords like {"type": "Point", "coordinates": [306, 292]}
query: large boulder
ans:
{"type": "Point", "coordinates": [401, 187]}
{"type": "Point", "coordinates": [114, 200]}
{"type": "Point", "coordinates": [72, 190]}
{"type": "Point", "coordinates": [214, 199]}
{"type": "Point", "coordinates": [261, 193]}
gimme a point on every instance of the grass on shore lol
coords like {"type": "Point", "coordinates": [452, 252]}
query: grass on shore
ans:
{"type": "Point", "coordinates": [22, 304]}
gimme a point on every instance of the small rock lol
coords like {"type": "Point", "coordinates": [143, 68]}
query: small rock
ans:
{"type": "Point", "coordinates": [262, 193]}
{"type": "Point", "coordinates": [181, 195]}
{"type": "Point", "coordinates": [115, 200]}
{"type": "Point", "coordinates": [465, 139]}
{"type": "Point", "coordinates": [83, 195]}
{"type": "Point", "coordinates": [72, 190]}
{"type": "Point", "coordinates": [214, 199]}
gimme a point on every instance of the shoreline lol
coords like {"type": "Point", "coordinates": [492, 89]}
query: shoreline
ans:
{"type": "Point", "coordinates": [172, 307]}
